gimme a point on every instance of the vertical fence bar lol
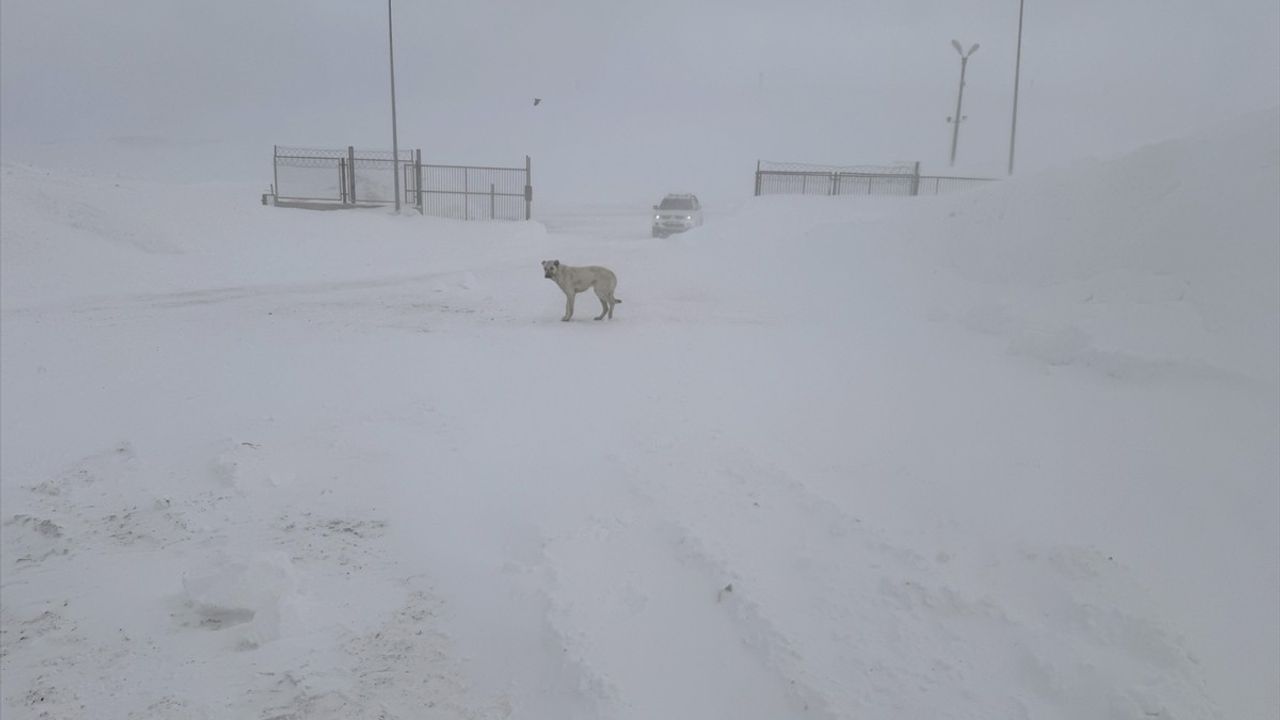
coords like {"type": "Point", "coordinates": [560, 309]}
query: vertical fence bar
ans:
{"type": "Point", "coordinates": [417, 179]}
{"type": "Point", "coordinates": [528, 188]}
{"type": "Point", "coordinates": [915, 179]}
{"type": "Point", "coordinates": [491, 196]}
{"type": "Point", "coordinates": [342, 180]}
{"type": "Point", "coordinates": [275, 172]}
{"type": "Point", "coordinates": [466, 194]}
{"type": "Point", "coordinates": [757, 178]}
{"type": "Point", "coordinates": [351, 173]}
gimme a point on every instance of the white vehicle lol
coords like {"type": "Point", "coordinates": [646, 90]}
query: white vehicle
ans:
{"type": "Point", "coordinates": [675, 214]}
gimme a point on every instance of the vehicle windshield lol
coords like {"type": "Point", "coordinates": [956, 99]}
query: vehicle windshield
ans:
{"type": "Point", "coordinates": [676, 204]}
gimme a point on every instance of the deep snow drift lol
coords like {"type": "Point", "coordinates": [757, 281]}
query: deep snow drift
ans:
{"type": "Point", "coordinates": [1005, 454]}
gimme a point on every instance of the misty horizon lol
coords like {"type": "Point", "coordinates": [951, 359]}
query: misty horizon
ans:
{"type": "Point", "coordinates": [635, 100]}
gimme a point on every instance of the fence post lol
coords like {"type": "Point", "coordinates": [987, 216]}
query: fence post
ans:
{"type": "Point", "coordinates": [491, 201]}
{"type": "Point", "coordinates": [528, 188]}
{"type": "Point", "coordinates": [342, 180]}
{"type": "Point", "coordinates": [835, 183]}
{"type": "Point", "coordinates": [275, 173]}
{"type": "Point", "coordinates": [915, 179]}
{"type": "Point", "coordinates": [757, 178]}
{"type": "Point", "coordinates": [351, 173]}
{"type": "Point", "coordinates": [466, 194]}
{"type": "Point", "coordinates": [417, 179]}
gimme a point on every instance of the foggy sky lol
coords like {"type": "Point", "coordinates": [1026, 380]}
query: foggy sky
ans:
{"type": "Point", "coordinates": [638, 98]}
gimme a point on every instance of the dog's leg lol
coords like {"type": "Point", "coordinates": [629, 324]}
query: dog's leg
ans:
{"type": "Point", "coordinates": [604, 305]}
{"type": "Point", "coordinates": [568, 307]}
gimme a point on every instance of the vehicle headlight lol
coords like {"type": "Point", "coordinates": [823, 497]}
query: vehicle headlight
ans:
{"type": "Point", "coordinates": [657, 217]}
{"type": "Point", "coordinates": [688, 217]}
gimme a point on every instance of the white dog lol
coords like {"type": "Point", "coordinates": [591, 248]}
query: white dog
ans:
{"type": "Point", "coordinates": [573, 280]}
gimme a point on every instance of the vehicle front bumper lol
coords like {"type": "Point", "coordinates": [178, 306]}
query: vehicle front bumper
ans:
{"type": "Point", "coordinates": [672, 227]}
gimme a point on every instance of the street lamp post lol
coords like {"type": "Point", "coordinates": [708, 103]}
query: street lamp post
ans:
{"type": "Point", "coordinates": [395, 142]}
{"type": "Point", "coordinates": [1017, 70]}
{"type": "Point", "coordinates": [955, 121]}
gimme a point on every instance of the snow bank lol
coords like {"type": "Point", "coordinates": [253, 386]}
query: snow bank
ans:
{"type": "Point", "coordinates": [1167, 254]}
{"type": "Point", "coordinates": [81, 236]}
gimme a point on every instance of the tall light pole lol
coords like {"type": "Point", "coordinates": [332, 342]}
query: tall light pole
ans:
{"type": "Point", "coordinates": [955, 121]}
{"type": "Point", "coordinates": [395, 141]}
{"type": "Point", "coordinates": [1017, 70]}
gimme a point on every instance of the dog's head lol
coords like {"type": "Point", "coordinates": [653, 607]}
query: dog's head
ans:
{"type": "Point", "coordinates": [550, 268]}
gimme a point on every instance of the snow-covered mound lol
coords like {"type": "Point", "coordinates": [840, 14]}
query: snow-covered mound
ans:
{"type": "Point", "coordinates": [1006, 454]}
{"type": "Point", "coordinates": [1167, 255]}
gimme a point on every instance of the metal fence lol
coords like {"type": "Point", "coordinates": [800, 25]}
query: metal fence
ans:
{"type": "Point", "coordinates": [328, 178]}
{"type": "Point", "coordinates": [902, 179]}
{"type": "Point", "coordinates": [347, 177]}
{"type": "Point", "coordinates": [939, 184]}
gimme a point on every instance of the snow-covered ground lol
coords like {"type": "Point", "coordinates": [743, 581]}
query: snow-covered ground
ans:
{"type": "Point", "coordinates": [1007, 454]}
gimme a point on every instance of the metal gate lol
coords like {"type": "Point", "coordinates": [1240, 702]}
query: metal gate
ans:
{"type": "Point", "coordinates": [469, 192]}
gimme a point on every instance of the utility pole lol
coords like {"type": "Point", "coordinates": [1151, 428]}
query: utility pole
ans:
{"type": "Point", "coordinates": [395, 141]}
{"type": "Point", "coordinates": [1017, 70]}
{"type": "Point", "coordinates": [955, 121]}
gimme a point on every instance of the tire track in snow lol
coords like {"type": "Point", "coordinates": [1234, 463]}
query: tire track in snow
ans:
{"type": "Point", "coordinates": [644, 614]}
{"type": "Point", "coordinates": [215, 295]}
{"type": "Point", "coordinates": [869, 628]}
